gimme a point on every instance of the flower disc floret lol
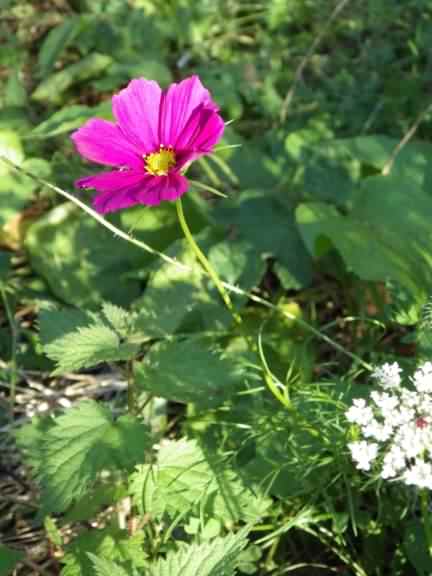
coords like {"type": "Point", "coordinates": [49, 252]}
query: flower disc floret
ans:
{"type": "Point", "coordinates": [160, 163]}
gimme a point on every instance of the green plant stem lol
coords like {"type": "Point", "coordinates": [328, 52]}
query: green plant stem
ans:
{"type": "Point", "coordinates": [13, 380]}
{"type": "Point", "coordinates": [270, 379]}
{"type": "Point", "coordinates": [205, 263]}
{"type": "Point", "coordinates": [426, 516]}
{"type": "Point", "coordinates": [268, 376]}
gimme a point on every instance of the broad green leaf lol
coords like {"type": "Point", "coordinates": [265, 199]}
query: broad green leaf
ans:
{"type": "Point", "coordinates": [15, 189]}
{"type": "Point", "coordinates": [81, 261]}
{"type": "Point", "coordinates": [218, 558]}
{"type": "Point", "coordinates": [372, 239]}
{"type": "Point", "coordinates": [52, 89]}
{"type": "Point", "coordinates": [372, 150]}
{"type": "Point", "coordinates": [190, 371]}
{"type": "Point", "coordinates": [177, 297]}
{"type": "Point", "coordinates": [68, 454]}
{"type": "Point", "coordinates": [187, 478]}
{"type": "Point", "coordinates": [158, 226]}
{"type": "Point", "coordinates": [54, 324]}
{"type": "Point", "coordinates": [84, 264]}
{"type": "Point", "coordinates": [103, 495]}
{"type": "Point", "coordinates": [55, 42]}
{"type": "Point", "coordinates": [415, 546]}
{"type": "Point", "coordinates": [237, 262]}
{"type": "Point", "coordinates": [110, 545]}
{"type": "Point", "coordinates": [9, 559]}
{"type": "Point", "coordinates": [270, 228]}
{"type": "Point", "coordinates": [413, 161]}
{"type": "Point", "coordinates": [327, 179]}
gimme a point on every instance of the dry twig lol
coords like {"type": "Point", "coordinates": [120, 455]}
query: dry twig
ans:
{"type": "Point", "coordinates": [297, 77]}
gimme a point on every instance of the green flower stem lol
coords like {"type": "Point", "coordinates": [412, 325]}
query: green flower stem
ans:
{"type": "Point", "coordinates": [424, 505]}
{"type": "Point", "coordinates": [270, 379]}
{"type": "Point", "coordinates": [268, 376]}
{"type": "Point", "coordinates": [205, 263]}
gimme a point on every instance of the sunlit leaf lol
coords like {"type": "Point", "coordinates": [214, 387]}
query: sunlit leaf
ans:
{"type": "Point", "coordinates": [67, 454]}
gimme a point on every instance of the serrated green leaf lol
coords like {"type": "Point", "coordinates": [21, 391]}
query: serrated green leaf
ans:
{"type": "Point", "coordinates": [9, 559]}
{"type": "Point", "coordinates": [118, 318]}
{"type": "Point", "coordinates": [218, 558]}
{"type": "Point", "coordinates": [185, 477]}
{"type": "Point", "coordinates": [54, 324]}
{"type": "Point", "coordinates": [109, 544]}
{"type": "Point", "coordinates": [86, 347]}
{"type": "Point", "coordinates": [75, 339]}
{"type": "Point", "coordinates": [188, 371]}
{"type": "Point", "coordinates": [104, 567]}
{"type": "Point", "coordinates": [68, 454]}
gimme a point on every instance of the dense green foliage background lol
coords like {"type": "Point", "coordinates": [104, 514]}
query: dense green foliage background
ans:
{"type": "Point", "coordinates": [327, 217]}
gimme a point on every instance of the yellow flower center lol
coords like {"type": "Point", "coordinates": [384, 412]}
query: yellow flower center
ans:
{"type": "Point", "coordinates": [160, 163]}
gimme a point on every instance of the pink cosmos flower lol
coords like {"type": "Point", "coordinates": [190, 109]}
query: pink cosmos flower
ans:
{"type": "Point", "coordinates": [156, 135]}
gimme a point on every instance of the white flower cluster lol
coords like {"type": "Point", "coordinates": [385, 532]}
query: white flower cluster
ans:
{"type": "Point", "coordinates": [396, 426]}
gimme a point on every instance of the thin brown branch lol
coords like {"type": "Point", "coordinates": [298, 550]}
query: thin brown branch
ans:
{"type": "Point", "coordinates": [299, 72]}
{"type": "Point", "coordinates": [407, 137]}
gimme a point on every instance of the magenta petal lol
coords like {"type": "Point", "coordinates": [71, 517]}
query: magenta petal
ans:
{"type": "Point", "coordinates": [175, 186]}
{"type": "Point", "coordinates": [203, 130]}
{"type": "Point", "coordinates": [113, 201]}
{"type": "Point", "coordinates": [102, 142]}
{"type": "Point", "coordinates": [162, 188]}
{"type": "Point", "coordinates": [136, 109]}
{"type": "Point", "coordinates": [177, 105]}
{"type": "Point", "coordinates": [111, 181]}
